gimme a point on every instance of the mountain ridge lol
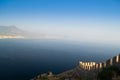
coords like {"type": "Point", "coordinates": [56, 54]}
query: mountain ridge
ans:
{"type": "Point", "coordinates": [15, 32]}
{"type": "Point", "coordinates": [11, 31]}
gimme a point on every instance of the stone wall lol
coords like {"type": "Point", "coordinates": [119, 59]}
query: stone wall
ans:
{"type": "Point", "coordinates": [98, 66]}
{"type": "Point", "coordinates": [87, 65]}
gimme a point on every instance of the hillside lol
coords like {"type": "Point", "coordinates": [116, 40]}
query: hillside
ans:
{"type": "Point", "coordinates": [11, 31]}
{"type": "Point", "coordinates": [107, 70]}
{"type": "Point", "coordinates": [15, 32]}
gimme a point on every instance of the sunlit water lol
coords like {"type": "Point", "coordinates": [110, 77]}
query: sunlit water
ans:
{"type": "Point", "coordinates": [22, 59]}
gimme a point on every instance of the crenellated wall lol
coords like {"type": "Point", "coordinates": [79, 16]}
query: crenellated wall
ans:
{"type": "Point", "coordinates": [98, 66]}
{"type": "Point", "coordinates": [87, 65]}
{"type": "Point", "coordinates": [109, 62]}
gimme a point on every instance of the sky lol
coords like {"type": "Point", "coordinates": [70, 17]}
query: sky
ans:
{"type": "Point", "coordinates": [89, 20]}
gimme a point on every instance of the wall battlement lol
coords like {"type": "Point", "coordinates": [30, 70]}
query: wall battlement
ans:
{"type": "Point", "coordinates": [88, 66]}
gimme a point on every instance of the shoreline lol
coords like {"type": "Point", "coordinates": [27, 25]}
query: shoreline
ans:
{"type": "Point", "coordinates": [10, 37]}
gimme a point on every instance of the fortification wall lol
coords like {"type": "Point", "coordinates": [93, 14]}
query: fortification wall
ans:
{"type": "Point", "coordinates": [98, 66]}
{"type": "Point", "coordinates": [87, 65]}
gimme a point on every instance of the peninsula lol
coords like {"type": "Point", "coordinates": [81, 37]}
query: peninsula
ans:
{"type": "Point", "coordinates": [8, 32]}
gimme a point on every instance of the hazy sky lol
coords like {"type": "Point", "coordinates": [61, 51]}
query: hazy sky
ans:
{"type": "Point", "coordinates": [93, 20]}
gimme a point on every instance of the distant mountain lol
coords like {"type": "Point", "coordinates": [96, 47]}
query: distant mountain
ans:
{"type": "Point", "coordinates": [15, 32]}
{"type": "Point", "coordinates": [11, 31]}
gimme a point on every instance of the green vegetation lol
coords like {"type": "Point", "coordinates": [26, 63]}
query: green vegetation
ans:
{"type": "Point", "coordinates": [108, 73]}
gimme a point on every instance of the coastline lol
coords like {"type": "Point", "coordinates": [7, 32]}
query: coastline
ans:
{"type": "Point", "coordinates": [10, 37]}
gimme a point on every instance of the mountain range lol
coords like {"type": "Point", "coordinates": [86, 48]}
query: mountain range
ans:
{"type": "Point", "coordinates": [15, 32]}
{"type": "Point", "coordinates": [11, 31]}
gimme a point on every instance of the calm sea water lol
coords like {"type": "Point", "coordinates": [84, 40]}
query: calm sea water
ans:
{"type": "Point", "coordinates": [23, 59]}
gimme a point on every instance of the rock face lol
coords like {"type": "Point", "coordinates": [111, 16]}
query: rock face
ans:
{"type": "Point", "coordinates": [84, 71]}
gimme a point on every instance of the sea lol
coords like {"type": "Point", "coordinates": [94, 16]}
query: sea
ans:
{"type": "Point", "coordinates": [23, 59]}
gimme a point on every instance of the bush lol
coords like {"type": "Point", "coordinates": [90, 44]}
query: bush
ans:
{"type": "Point", "coordinates": [108, 73]}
